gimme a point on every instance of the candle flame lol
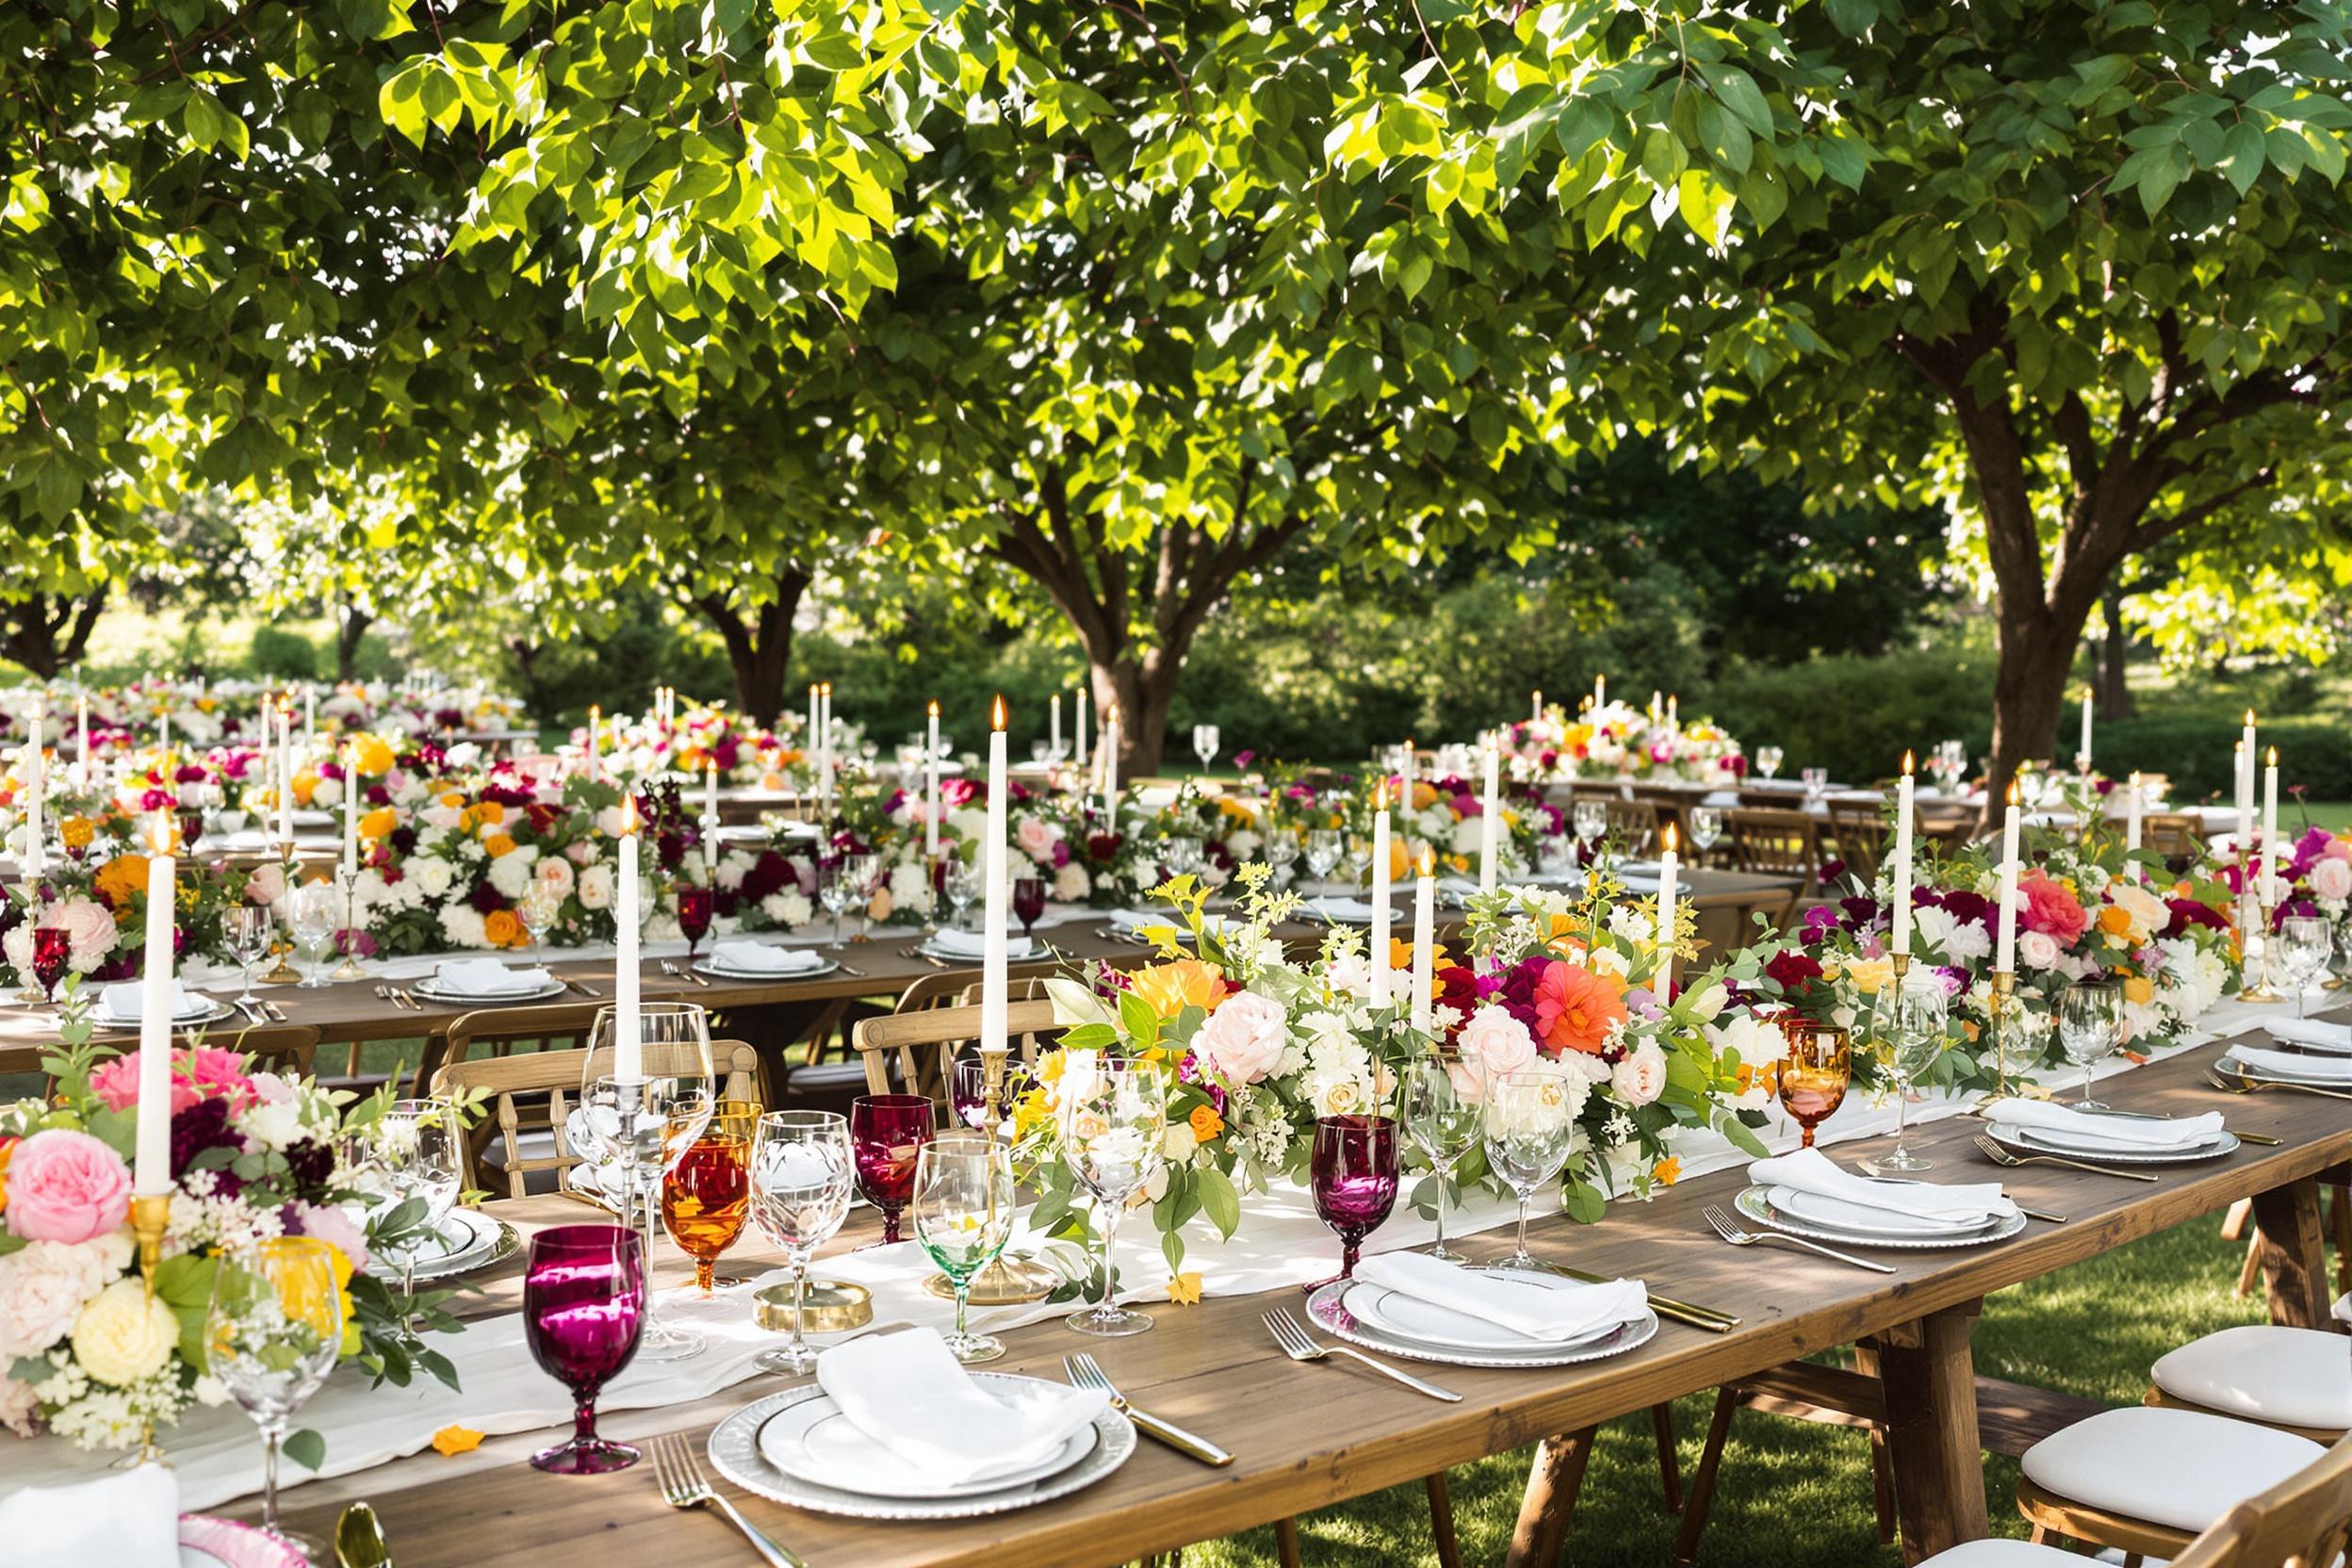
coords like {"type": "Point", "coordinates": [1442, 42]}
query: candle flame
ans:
{"type": "Point", "coordinates": [996, 713]}
{"type": "Point", "coordinates": [1380, 796]}
{"type": "Point", "coordinates": [1428, 862]}
{"type": "Point", "coordinates": [1907, 764]}
{"type": "Point", "coordinates": [2249, 718]}
{"type": "Point", "coordinates": [2013, 797]}
{"type": "Point", "coordinates": [628, 815]}
{"type": "Point", "coordinates": [1672, 841]}
{"type": "Point", "coordinates": [159, 833]}
{"type": "Point", "coordinates": [2270, 758]}
{"type": "Point", "coordinates": [935, 708]}
{"type": "Point", "coordinates": [825, 689]}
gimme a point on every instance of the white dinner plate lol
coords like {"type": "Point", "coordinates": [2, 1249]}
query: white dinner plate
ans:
{"type": "Point", "coordinates": [431, 992]}
{"type": "Point", "coordinates": [1754, 1204]}
{"type": "Point", "coordinates": [207, 1013]}
{"type": "Point", "coordinates": [2071, 1142]}
{"type": "Point", "coordinates": [469, 1240]}
{"type": "Point", "coordinates": [1862, 1220]}
{"type": "Point", "coordinates": [1038, 953]}
{"type": "Point", "coordinates": [825, 966]}
{"type": "Point", "coordinates": [2326, 1072]}
{"type": "Point", "coordinates": [817, 1441]}
{"type": "Point", "coordinates": [2324, 1048]}
{"type": "Point", "coordinates": [2018, 1138]}
{"type": "Point", "coordinates": [1328, 1309]}
{"type": "Point", "coordinates": [1409, 1317]}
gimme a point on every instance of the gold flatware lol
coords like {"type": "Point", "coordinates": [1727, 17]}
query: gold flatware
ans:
{"type": "Point", "coordinates": [1999, 1155]}
{"type": "Point", "coordinates": [1723, 1226]}
{"type": "Point", "coordinates": [581, 987]}
{"type": "Point", "coordinates": [359, 1540]}
{"type": "Point", "coordinates": [1083, 1371]}
{"type": "Point", "coordinates": [1292, 1339]}
{"type": "Point", "coordinates": [1714, 1322]}
{"type": "Point", "coordinates": [2243, 1084]}
{"type": "Point", "coordinates": [2038, 1214]}
{"type": "Point", "coordinates": [682, 1486]}
{"type": "Point", "coordinates": [674, 973]}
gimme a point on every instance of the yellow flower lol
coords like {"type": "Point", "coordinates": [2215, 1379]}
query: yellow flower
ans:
{"type": "Point", "coordinates": [1667, 1172]}
{"type": "Point", "coordinates": [120, 877]}
{"type": "Point", "coordinates": [2139, 989]}
{"type": "Point", "coordinates": [451, 1440]}
{"type": "Point", "coordinates": [372, 755]}
{"type": "Point", "coordinates": [1183, 1290]}
{"type": "Point", "coordinates": [77, 832]}
{"type": "Point", "coordinates": [497, 844]}
{"type": "Point", "coordinates": [1205, 1122]}
{"type": "Point", "coordinates": [1237, 811]}
{"type": "Point", "coordinates": [378, 824]}
{"type": "Point", "coordinates": [1182, 983]}
{"type": "Point", "coordinates": [124, 1335]}
{"type": "Point", "coordinates": [1869, 974]}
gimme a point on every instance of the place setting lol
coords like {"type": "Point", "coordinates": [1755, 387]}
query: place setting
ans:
{"type": "Point", "coordinates": [1806, 1199]}
{"type": "Point", "coordinates": [461, 982]}
{"type": "Point", "coordinates": [2027, 1129]}
{"type": "Point", "coordinates": [736, 959]}
{"type": "Point", "coordinates": [2312, 1057]}
{"type": "Point", "coordinates": [123, 1004]}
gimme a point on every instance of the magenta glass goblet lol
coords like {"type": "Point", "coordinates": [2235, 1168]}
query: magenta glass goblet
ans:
{"type": "Point", "coordinates": [886, 1132]}
{"type": "Point", "coordinates": [1353, 1176]}
{"type": "Point", "coordinates": [583, 1305]}
{"type": "Point", "coordinates": [693, 916]}
{"type": "Point", "coordinates": [1028, 901]}
{"type": "Point", "coordinates": [53, 950]}
{"type": "Point", "coordinates": [968, 1089]}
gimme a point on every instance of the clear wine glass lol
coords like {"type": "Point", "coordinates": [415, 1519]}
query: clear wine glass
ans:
{"type": "Point", "coordinates": [1529, 1132]}
{"type": "Point", "coordinates": [1360, 861]}
{"type": "Point", "coordinates": [2090, 1027]}
{"type": "Point", "coordinates": [1182, 855]}
{"type": "Point", "coordinates": [1921, 1015]}
{"type": "Point", "coordinates": [964, 880]}
{"type": "Point", "coordinates": [1588, 819]}
{"type": "Point", "coordinates": [1816, 782]}
{"type": "Point", "coordinates": [2304, 943]}
{"type": "Point", "coordinates": [271, 1335]}
{"type": "Point", "coordinates": [1204, 743]}
{"type": "Point", "coordinates": [249, 928]}
{"type": "Point", "coordinates": [802, 1174]}
{"type": "Point", "coordinates": [416, 1148]}
{"type": "Point", "coordinates": [963, 1209]}
{"type": "Point", "coordinates": [865, 874]}
{"type": "Point", "coordinates": [1768, 760]}
{"type": "Point", "coordinates": [538, 909]}
{"type": "Point", "coordinates": [1707, 827]}
{"type": "Point", "coordinates": [634, 1130]}
{"type": "Point", "coordinates": [1113, 1130]}
{"type": "Point", "coordinates": [835, 891]}
{"type": "Point", "coordinates": [1324, 850]}
{"type": "Point", "coordinates": [313, 913]}
{"type": "Point", "coordinates": [1443, 1124]}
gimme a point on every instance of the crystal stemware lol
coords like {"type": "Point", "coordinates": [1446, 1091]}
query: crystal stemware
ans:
{"type": "Point", "coordinates": [625, 1128]}
{"type": "Point", "coordinates": [415, 1149]}
{"type": "Point", "coordinates": [802, 1172]}
{"type": "Point", "coordinates": [693, 916]}
{"type": "Point", "coordinates": [312, 914]}
{"type": "Point", "coordinates": [1528, 1133]}
{"type": "Point", "coordinates": [963, 1205]}
{"type": "Point", "coordinates": [968, 1089]}
{"type": "Point", "coordinates": [1114, 1136]}
{"type": "Point", "coordinates": [583, 1312]}
{"type": "Point", "coordinates": [1352, 1175]}
{"type": "Point", "coordinates": [271, 1333]}
{"type": "Point", "coordinates": [1028, 902]}
{"type": "Point", "coordinates": [864, 872]}
{"type": "Point", "coordinates": [705, 1194]}
{"type": "Point", "coordinates": [2304, 943]}
{"type": "Point", "coordinates": [1706, 827]}
{"type": "Point", "coordinates": [1204, 743]}
{"type": "Point", "coordinates": [1814, 1074]}
{"type": "Point", "coordinates": [1444, 1123]}
{"type": "Point", "coordinates": [1325, 849]}
{"type": "Point", "coordinates": [248, 929]}
{"type": "Point", "coordinates": [2090, 1027]}
{"type": "Point", "coordinates": [886, 1132]}
{"type": "Point", "coordinates": [1588, 819]}
{"type": "Point", "coordinates": [53, 954]}
{"type": "Point", "coordinates": [1768, 760]}
{"type": "Point", "coordinates": [835, 890]}
{"type": "Point", "coordinates": [964, 879]}
{"type": "Point", "coordinates": [1921, 1015]}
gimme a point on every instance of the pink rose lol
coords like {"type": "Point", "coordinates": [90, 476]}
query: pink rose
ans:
{"type": "Point", "coordinates": [2331, 878]}
{"type": "Point", "coordinates": [266, 886]}
{"type": "Point", "coordinates": [198, 1073]}
{"type": "Point", "coordinates": [1244, 1038]}
{"type": "Point", "coordinates": [43, 1286]}
{"type": "Point", "coordinates": [2037, 950]}
{"type": "Point", "coordinates": [1640, 1076]}
{"type": "Point", "coordinates": [66, 1186]}
{"type": "Point", "coordinates": [1494, 1042]}
{"type": "Point", "coordinates": [2049, 907]}
{"type": "Point", "coordinates": [1033, 837]}
{"type": "Point", "coordinates": [91, 931]}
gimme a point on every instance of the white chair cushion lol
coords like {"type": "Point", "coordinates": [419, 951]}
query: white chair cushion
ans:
{"type": "Point", "coordinates": [2344, 1309]}
{"type": "Point", "coordinates": [2295, 1377]}
{"type": "Point", "coordinates": [2170, 1467]}
{"type": "Point", "coordinates": [2002, 1554]}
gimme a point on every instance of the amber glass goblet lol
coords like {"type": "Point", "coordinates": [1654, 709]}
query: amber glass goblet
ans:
{"type": "Point", "coordinates": [706, 1197]}
{"type": "Point", "coordinates": [1813, 1078]}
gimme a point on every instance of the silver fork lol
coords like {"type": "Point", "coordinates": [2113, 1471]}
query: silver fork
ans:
{"type": "Point", "coordinates": [1291, 1337]}
{"type": "Point", "coordinates": [1738, 1237]}
{"type": "Point", "coordinates": [674, 973]}
{"type": "Point", "coordinates": [1999, 1155]}
{"type": "Point", "coordinates": [682, 1486]}
{"type": "Point", "coordinates": [1083, 1371]}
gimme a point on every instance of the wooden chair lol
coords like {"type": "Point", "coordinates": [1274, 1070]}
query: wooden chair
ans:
{"type": "Point", "coordinates": [913, 1049]}
{"type": "Point", "coordinates": [282, 1048]}
{"type": "Point", "coordinates": [1634, 824]}
{"type": "Point", "coordinates": [2189, 1448]}
{"type": "Point", "coordinates": [1723, 923]}
{"type": "Point", "coordinates": [529, 1146]}
{"type": "Point", "coordinates": [1775, 843]}
{"type": "Point", "coordinates": [563, 1027]}
{"type": "Point", "coordinates": [1859, 829]}
{"type": "Point", "coordinates": [2171, 833]}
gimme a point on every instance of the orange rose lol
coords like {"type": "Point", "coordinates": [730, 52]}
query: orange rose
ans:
{"type": "Point", "coordinates": [2138, 988]}
{"type": "Point", "coordinates": [377, 826]}
{"type": "Point", "coordinates": [502, 928]}
{"type": "Point", "coordinates": [498, 844]}
{"type": "Point", "coordinates": [305, 785]}
{"type": "Point", "coordinates": [2115, 918]}
{"type": "Point", "coordinates": [1171, 988]}
{"type": "Point", "coordinates": [1575, 1007]}
{"type": "Point", "coordinates": [1206, 1123]}
{"type": "Point", "coordinates": [120, 877]}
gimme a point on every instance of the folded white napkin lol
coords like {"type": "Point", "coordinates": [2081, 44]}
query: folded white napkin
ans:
{"type": "Point", "coordinates": [1340, 908]}
{"type": "Point", "coordinates": [2334, 1069]}
{"type": "Point", "coordinates": [2315, 1033]}
{"type": "Point", "coordinates": [974, 945]}
{"type": "Point", "coordinates": [1452, 887]}
{"type": "Point", "coordinates": [1810, 1170]}
{"type": "Point", "coordinates": [1130, 919]}
{"type": "Point", "coordinates": [126, 1001]}
{"type": "Point", "coordinates": [761, 958]}
{"type": "Point", "coordinates": [1522, 1306]}
{"type": "Point", "coordinates": [129, 1520]}
{"type": "Point", "coordinates": [2177, 1133]}
{"type": "Point", "coordinates": [488, 977]}
{"type": "Point", "coordinates": [907, 1393]}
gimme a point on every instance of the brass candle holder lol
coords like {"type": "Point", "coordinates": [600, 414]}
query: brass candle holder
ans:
{"type": "Point", "coordinates": [151, 1215]}
{"type": "Point", "coordinates": [1010, 1279]}
{"type": "Point", "coordinates": [2005, 982]}
{"type": "Point", "coordinates": [2260, 991]}
{"type": "Point", "coordinates": [349, 967]}
{"type": "Point", "coordinates": [284, 973]}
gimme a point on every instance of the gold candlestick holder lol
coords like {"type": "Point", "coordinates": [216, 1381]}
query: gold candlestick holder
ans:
{"type": "Point", "coordinates": [349, 967]}
{"type": "Point", "coordinates": [2260, 991]}
{"type": "Point", "coordinates": [1010, 1279]}
{"type": "Point", "coordinates": [151, 1215]}
{"type": "Point", "coordinates": [285, 973]}
{"type": "Point", "coordinates": [2005, 982]}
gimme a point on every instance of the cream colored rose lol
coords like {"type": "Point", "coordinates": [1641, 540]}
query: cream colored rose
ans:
{"type": "Point", "coordinates": [124, 1335]}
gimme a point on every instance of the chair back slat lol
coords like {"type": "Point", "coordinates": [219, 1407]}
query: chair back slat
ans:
{"type": "Point", "coordinates": [920, 1045]}
{"type": "Point", "coordinates": [1775, 843]}
{"type": "Point", "coordinates": [2303, 1522]}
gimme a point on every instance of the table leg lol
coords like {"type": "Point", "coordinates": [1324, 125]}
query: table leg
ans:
{"type": "Point", "coordinates": [1931, 1441]}
{"type": "Point", "coordinates": [1553, 1482]}
{"type": "Point", "coordinates": [2294, 1255]}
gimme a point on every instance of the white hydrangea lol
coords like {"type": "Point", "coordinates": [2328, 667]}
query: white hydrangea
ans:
{"type": "Point", "coordinates": [790, 910]}
{"type": "Point", "coordinates": [462, 926]}
{"type": "Point", "coordinates": [510, 873]}
{"type": "Point", "coordinates": [1071, 885]}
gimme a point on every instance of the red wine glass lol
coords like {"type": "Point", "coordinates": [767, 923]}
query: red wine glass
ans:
{"type": "Point", "coordinates": [693, 916]}
{"type": "Point", "coordinates": [1028, 901]}
{"type": "Point", "coordinates": [584, 1304]}
{"type": "Point", "coordinates": [886, 1132]}
{"type": "Point", "coordinates": [1353, 1176]}
{"type": "Point", "coordinates": [53, 948]}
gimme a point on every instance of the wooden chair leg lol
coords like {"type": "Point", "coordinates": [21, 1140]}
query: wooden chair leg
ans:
{"type": "Point", "coordinates": [2233, 1223]}
{"type": "Point", "coordinates": [2340, 1207]}
{"type": "Point", "coordinates": [1669, 1462]}
{"type": "Point", "coordinates": [1702, 1493]}
{"type": "Point", "coordinates": [1441, 1522]}
{"type": "Point", "coordinates": [1550, 1501]}
{"type": "Point", "coordinates": [1287, 1543]}
{"type": "Point", "coordinates": [2250, 1272]}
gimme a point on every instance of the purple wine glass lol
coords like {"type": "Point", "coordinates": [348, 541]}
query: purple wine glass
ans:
{"type": "Point", "coordinates": [693, 916]}
{"type": "Point", "coordinates": [1354, 1179]}
{"type": "Point", "coordinates": [584, 1304]}
{"type": "Point", "coordinates": [1028, 901]}
{"type": "Point", "coordinates": [53, 950]}
{"type": "Point", "coordinates": [968, 1089]}
{"type": "Point", "coordinates": [886, 1132]}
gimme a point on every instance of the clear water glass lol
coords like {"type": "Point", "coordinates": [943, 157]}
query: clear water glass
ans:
{"type": "Point", "coordinates": [1528, 1131]}
{"type": "Point", "coordinates": [1204, 743]}
{"type": "Point", "coordinates": [1706, 827]}
{"type": "Point", "coordinates": [272, 1330]}
{"type": "Point", "coordinates": [313, 914]}
{"type": "Point", "coordinates": [1324, 851]}
{"type": "Point", "coordinates": [1922, 1013]}
{"type": "Point", "coordinates": [963, 1214]}
{"type": "Point", "coordinates": [634, 1131]}
{"type": "Point", "coordinates": [1114, 1131]}
{"type": "Point", "coordinates": [249, 928]}
{"type": "Point", "coordinates": [416, 1149]}
{"type": "Point", "coordinates": [1768, 760]}
{"type": "Point", "coordinates": [1443, 1122]}
{"type": "Point", "coordinates": [2304, 943]}
{"type": "Point", "coordinates": [802, 1175]}
{"type": "Point", "coordinates": [2090, 1027]}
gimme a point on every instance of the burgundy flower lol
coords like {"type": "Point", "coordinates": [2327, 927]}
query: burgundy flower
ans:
{"type": "Point", "coordinates": [2188, 911]}
{"type": "Point", "coordinates": [1103, 847]}
{"type": "Point", "coordinates": [1791, 971]}
{"type": "Point", "coordinates": [486, 899]}
{"type": "Point", "coordinates": [201, 1126]}
{"type": "Point", "coordinates": [768, 874]}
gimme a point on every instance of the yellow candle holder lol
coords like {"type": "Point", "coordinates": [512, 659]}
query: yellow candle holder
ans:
{"type": "Point", "coordinates": [2260, 990]}
{"type": "Point", "coordinates": [151, 1215]}
{"type": "Point", "coordinates": [2004, 983]}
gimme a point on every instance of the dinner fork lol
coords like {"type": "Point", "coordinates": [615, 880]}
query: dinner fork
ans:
{"type": "Point", "coordinates": [2243, 1085]}
{"type": "Point", "coordinates": [1292, 1338]}
{"type": "Point", "coordinates": [1083, 1371]}
{"type": "Point", "coordinates": [1738, 1237]}
{"type": "Point", "coordinates": [674, 973]}
{"type": "Point", "coordinates": [682, 1486]}
{"type": "Point", "coordinates": [1999, 1155]}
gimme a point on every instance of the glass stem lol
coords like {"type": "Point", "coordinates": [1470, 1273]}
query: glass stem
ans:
{"type": "Point", "coordinates": [706, 1276]}
{"type": "Point", "coordinates": [1902, 1108]}
{"type": "Point", "coordinates": [583, 1421]}
{"type": "Point", "coordinates": [800, 1304]}
{"type": "Point", "coordinates": [1104, 1307]}
{"type": "Point", "coordinates": [272, 1434]}
{"type": "Point", "coordinates": [963, 1297]}
{"type": "Point", "coordinates": [653, 1312]}
{"type": "Point", "coordinates": [1526, 1195]}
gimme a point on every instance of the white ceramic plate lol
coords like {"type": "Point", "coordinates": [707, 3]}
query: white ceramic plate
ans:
{"type": "Point", "coordinates": [2329, 1048]}
{"type": "Point", "coordinates": [1409, 1317]}
{"type": "Point", "coordinates": [2071, 1142]}
{"type": "Point", "coordinates": [2319, 1077]}
{"type": "Point", "coordinates": [825, 966]}
{"type": "Point", "coordinates": [1038, 953]}
{"type": "Point", "coordinates": [1328, 1309]}
{"type": "Point", "coordinates": [209, 1012]}
{"type": "Point", "coordinates": [431, 993]}
{"type": "Point", "coordinates": [472, 1240]}
{"type": "Point", "coordinates": [1862, 1220]}
{"type": "Point", "coordinates": [1753, 1205]}
{"type": "Point", "coordinates": [817, 1441]}
{"type": "Point", "coordinates": [2018, 1139]}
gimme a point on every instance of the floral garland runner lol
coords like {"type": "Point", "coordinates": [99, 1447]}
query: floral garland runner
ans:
{"type": "Point", "coordinates": [1617, 740]}
{"type": "Point", "coordinates": [224, 712]}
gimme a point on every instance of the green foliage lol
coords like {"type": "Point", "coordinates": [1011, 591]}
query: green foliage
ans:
{"type": "Point", "coordinates": [2193, 748]}
{"type": "Point", "coordinates": [1857, 716]}
{"type": "Point", "coordinates": [278, 651]}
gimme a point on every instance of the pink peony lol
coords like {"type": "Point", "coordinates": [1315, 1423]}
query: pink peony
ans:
{"type": "Point", "coordinates": [2048, 907]}
{"type": "Point", "coordinates": [266, 886]}
{"type": "Point", "coordinates": [1245, 1037]}
{"type": "Point", "coordinates": [197, 1073]}
{"type": "Point", "coordinates": [2331, 878]}
{"type": "Point", "coordinates": [1033, 837]}
{"type": "Point", "coordinates": [66, 1186]}
{"type": "Point", "coordinates": [337, 1228]}
{"type": "Point", "coordinates": [92, 928]}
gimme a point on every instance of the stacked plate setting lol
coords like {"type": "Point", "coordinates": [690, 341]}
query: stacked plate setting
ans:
{"type": "Point", "coordinates": [441, 986]}
{"type": "Point", "coordinates": [717, 965]}
{"type": "Point", "coordinates": [1831, 1219]}
{"type": "Point", "coordinates": [465, 1240]}
{"type": "Point", "coordinates": [2088, 1146]}
{"type": "Point", "coordinates": [1394, 1324]}
{"type": "Point", "coordinates": [194, 1007]}
{"type": "Point", "coordinates": [798, 1448]}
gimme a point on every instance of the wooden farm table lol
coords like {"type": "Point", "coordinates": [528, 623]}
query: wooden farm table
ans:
{"type": "Point", "coordinates": [1212, 1368]}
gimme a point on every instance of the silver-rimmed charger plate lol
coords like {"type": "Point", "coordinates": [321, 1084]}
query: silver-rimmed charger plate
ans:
{"type": "Point", "coordinates": [817, 1441]}
{"type": "Point", "coordinates": [481, 1242]}
{"type": "Point", "coordinates": [824, 967]}
{"type": "Point", "coordinates": [1856, 1220]}
{"type": "Point", "coordinates": [1329, 1309]}
{"type": "Point", "coordinates": [2330, 1048]}
{"type": "Point", "coordinates": [1380, 1310]}
{"type": "Point", "coordinates": [431, 992]}
{"type": "Point", "coordinates": [735, 1453]}
{"type": "Point", "coordinates": [2229, 1063]}
{"type": "Point", "coordinates": [1753, 1205]}
{"type": "Point", "coordinates": [2025, 1142]}
{"type": "Point", "coordinates": [212, 1012]}
{"type": "Point", "coordinates": [1038, 952]}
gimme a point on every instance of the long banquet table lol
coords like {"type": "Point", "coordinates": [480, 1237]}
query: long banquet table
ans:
{"type": "Point", "coordinates": [1212, 1368]}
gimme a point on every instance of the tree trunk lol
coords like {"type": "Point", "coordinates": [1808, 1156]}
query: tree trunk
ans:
{"type": "Point", "coordinates": [1142, 691]}
{"type": "Point", "coordinates": [47, 633]}
{"type": "Point", "coordinates": [759, 649]}
{"type": "Point", "coordinates": [352, 627]}
{"type": "Point", "coordinates": [2114, 669]}
{"type": "Point", "coordinates": [2036, 657]}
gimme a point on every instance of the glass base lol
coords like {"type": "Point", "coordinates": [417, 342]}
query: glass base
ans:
{"type": "Point", "coordinates": [312, 983]}
{"type": "Point", "coordinates": [2087, 1104]}
{"type": "Point", "coordinates": [1443, 1254]}
{"type": "Point", "coordinates": [786, 1361]}
{"type": "Point", "coordinates": [593, 1457]}
{"type": "Point", "coordinates": [1108, 1322]}
{"type": "Point", "coordinates": [660, 1342]}
{"type": "Point", "coordinates": [971, 1350]}
{"type": "Point", "coordinates": [1901, 1160]}
{"type": "Point", "coordinates": [1522, 1259]}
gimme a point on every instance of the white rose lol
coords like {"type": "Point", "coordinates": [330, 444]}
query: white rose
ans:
{"type": "Point", "coordinates": [2331, 879]}
{"type": "Point", "coordinates": [1495, 1042]}
{"type": "Point", "coordinates": [612, 821]}
{"type": "Point", "coordinates": [1467, 835]}
{"type": "Point", "coordinates": [432, 874]}
{"type": "Point", "coordinates": [1639, 1077]}
{"type": "Point", "coordinates": [1706, 1004]}
{"type": "Point", "coordinates": [1244, 1038]}
{"type": "Point", "coordinates": [43, 1285]}
{"type": "Point", "coordinates": [2037, 950]}
{"type": "Point", "coordinates": [595, 886]}
{"type": "Point", "coordinates": [1071, 885]}
{"type": "Point", "coordinates": [555, 875]}
{"type": "Point", "coordinates": [510, 873]}
{"type": "Point", "coordinates": [1179, 1143]}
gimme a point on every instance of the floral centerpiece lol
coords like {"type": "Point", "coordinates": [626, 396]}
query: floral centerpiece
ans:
{"type": "Point", "coordinates": [705, 735]}
{"type": "Point", "coordinates": [1617, 740]}
{"type": "Point", "coordinates": [84, 1349]}
{"type": "Point", "coordinates": [96, 889]}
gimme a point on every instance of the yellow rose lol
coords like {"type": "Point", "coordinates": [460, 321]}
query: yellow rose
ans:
{"type": "Point", "coordinates": [373, 756]}
{"type": "Point", "coordinates": [122, 1336]}
{"type": "Point", "coordinates": [1869, 974]}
